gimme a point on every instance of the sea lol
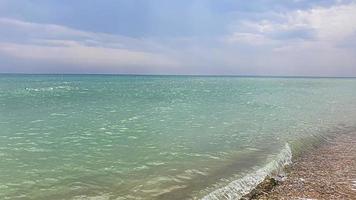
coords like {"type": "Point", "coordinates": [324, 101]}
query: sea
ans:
{"type": "Point", "coordinates": [118, 137]}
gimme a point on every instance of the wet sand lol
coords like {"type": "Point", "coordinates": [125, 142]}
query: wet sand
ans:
{"type": "Point", "coordinates": [328, 172]}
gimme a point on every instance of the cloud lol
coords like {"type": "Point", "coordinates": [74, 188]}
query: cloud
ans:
{"type": "Point", "coordinates": [315, 40]}
{"type": "Point", "coordinates": [324, 24]}
{"type": "Point", "coordinates": [29, 32]}
{"type": "Point", "coordinates": [68, 52]}
{"type": "Point", "coordinates": [334, 23]}
{"type": "Point", "coordinates": [61, 45]}
{"type": "Point", "coordinates": [42, 29]}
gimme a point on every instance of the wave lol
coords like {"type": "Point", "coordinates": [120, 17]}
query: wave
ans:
{"type": "Point", "coordinates": [240, 187]}
{"type": "Point", "coordinates": [55, 88]}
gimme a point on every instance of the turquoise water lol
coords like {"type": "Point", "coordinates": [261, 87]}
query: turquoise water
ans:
{"type": "Point", "coordinates": [157, 137]}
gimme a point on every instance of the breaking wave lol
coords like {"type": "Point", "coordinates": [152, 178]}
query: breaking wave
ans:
{"type": "Point", "coordinates": [240, 187]}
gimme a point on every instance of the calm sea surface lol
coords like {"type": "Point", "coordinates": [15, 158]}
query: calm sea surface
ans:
{"type": "Point", "coordinates": [158, 137]}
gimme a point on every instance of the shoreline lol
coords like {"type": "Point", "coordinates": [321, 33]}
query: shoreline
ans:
{"type": "Point", "coordinates": [327, 172]}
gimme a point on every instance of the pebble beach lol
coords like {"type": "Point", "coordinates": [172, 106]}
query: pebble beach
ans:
{"type": "Point", "coordinates": [328, 172]}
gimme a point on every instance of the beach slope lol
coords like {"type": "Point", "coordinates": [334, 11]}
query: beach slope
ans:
{"type": "Point", "coordinates": [329, 172]}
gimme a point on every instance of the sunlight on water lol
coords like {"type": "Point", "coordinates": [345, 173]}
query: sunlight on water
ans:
{"type": "Point", "coordinates": [153, 137]}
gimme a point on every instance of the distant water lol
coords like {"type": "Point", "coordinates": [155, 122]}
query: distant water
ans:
{"type": "Point", "coordinates": [158, 137]}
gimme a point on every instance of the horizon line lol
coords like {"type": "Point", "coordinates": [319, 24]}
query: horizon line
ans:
{"type": "Point", "coordinates": [196, 75]}
{"type": "Point", "coordinates": [192, 75]}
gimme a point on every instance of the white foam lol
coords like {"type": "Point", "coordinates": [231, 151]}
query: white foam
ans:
{"type": "Point", "coordinates": [240, 187]}
{"type": "Point", "coordinates": [353, 185]}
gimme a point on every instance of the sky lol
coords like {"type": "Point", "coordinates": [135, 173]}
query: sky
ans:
{"type": "Point", "coordinates": [207, 37]}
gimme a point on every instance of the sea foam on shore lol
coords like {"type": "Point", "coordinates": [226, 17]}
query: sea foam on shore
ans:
{"type": "Point", "coordinates": [327, 172]}
{"type": "Point", "coordinates": [238, 188]}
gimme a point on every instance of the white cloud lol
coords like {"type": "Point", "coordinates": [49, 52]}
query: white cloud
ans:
{"type": "Point", "coordinates": [41, 30]}
{"type": "Point", "coordinates": [62, 45]}
{"type": "Point", "coordinates": [35, 32]}
{"type": "Point", "coordinates": [333, 24]}
{"type": "Point", "coordinates": [266, 46]}
{"type": "Point", "coordinates": [72, 53]}
{"type": "Point", "coordinates": [317, 41]}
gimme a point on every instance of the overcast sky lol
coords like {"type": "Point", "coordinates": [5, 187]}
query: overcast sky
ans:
{"type": "Point", "coordinates": [231, 37]}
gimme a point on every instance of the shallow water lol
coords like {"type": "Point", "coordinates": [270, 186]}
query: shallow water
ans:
{"type": "Point", "coordinates": [156, 137]}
